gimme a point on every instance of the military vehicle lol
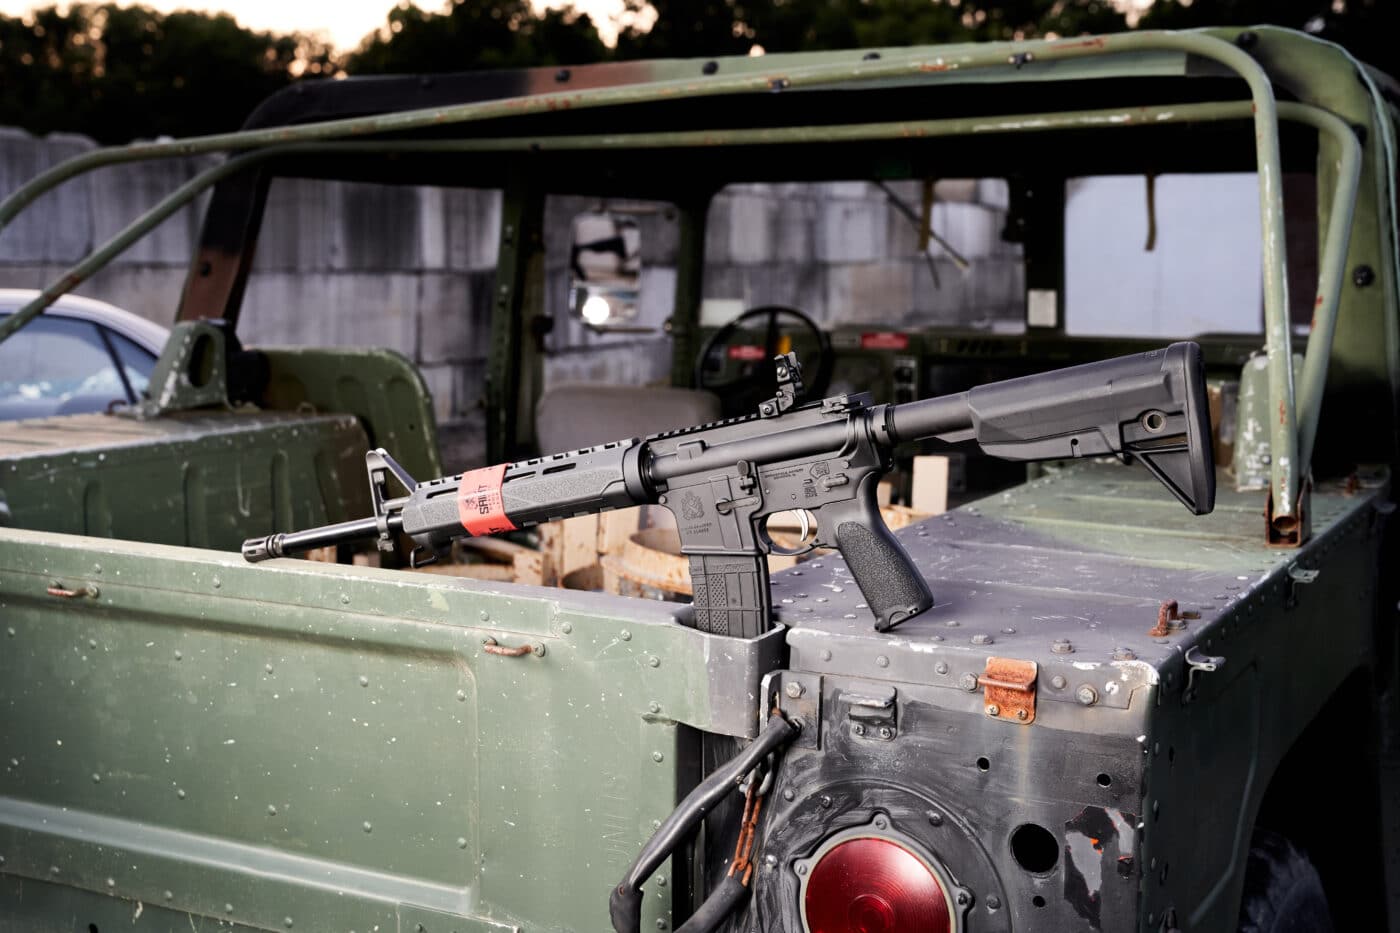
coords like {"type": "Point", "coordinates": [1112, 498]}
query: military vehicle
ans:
{"type": "Point", "coordinates": [1116, 714]}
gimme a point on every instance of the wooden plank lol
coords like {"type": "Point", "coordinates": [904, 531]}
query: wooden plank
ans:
{"type": "Point", "coordinates": [930, 494]}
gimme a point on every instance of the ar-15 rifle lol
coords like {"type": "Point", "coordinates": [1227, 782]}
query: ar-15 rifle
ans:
{"type": "Point", "coordinates": [723, 480]}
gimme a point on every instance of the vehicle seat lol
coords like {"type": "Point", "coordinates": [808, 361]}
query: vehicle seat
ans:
{"type": "Point", "coordinates": [582, 414]}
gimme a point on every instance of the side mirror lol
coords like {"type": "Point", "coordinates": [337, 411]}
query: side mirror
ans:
{"type": "Point", "coordinates": [605, 264]}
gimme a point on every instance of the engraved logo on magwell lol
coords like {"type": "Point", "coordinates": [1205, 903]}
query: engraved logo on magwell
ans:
{"type": "Point", "coordinates": [691, 507]}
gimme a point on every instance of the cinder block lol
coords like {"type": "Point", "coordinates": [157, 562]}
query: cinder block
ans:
{"type": "Point", "coordinates": [852, 231]}
{"type": "Point", "coordinates": [870, 293]}
{"type": "Point", "coordinates": [753, 228]}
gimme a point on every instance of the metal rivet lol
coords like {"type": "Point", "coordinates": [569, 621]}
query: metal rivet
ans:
{"type": "Point", "coordinates": [566, 627]}
{"type": "Point", "coordinates": [802, 869]}
{"type": "Point", "coordinates": [287, 922]}
{"type": "Point", "coordinates": [1058, 682]}
{"type": "Point", "coordinates": [111, 882]}
{"type": "Point", "coordinates": [271, 810]}
{"type": "Point", "coordinates": [794, 690]}
{"type": "Point", "coordinates": [180, 792]}
{"type": "Point", "coordinates": [661, 881]}
{"type": "Point", "coordinates": [461, 842]}
{"type": "Point", "coordinates": [485, 616]}
{"type": "Point", "coordinates": [367, 826]}
{"type": "Point", "coordinates": [228, 908]}
{"type": "Point", "coordinates": [941, 667]}
{"type": "Point", "coordinates": [96, 778]}
{"type": "Point", "coordinates": [993, 902]}
{"type": "Point", "coordinates": [654, 661]}
{"type": "Point", "coordinates": [364, 681]}
{"type": "Point", "coordinates": [789, 794]}
{"type": "Point", "coordinates": [825, 801]}
{"type": "Point", "coordinates": [344, 599]}
{"type": "Point", "coordinates": [218, 583]}
{"type": "Point", "coordinates": [1362, 276]}
{"type": "Point", "coordinates": [658, 757]}
{"type": "Point", "coordinates": [881, 823]}
{"type": "Point", "coordinates": [709, 67]}
{"type": "Point", "coordinates": [625, 635]}
{"type": "Point", "coordinates": [178, 655]}
{"type": "Point", "coordinates": [92, 642]}
{"type": "Point", "coordinates": [935, 818]}
{"type": "Point", "coordinates": [461, 696]}
{"type": "Point", "coordinates": [653, 707]}
{"type": "Point", "coordinates": [882, 661]}
{"type": "Point", "coordinates": [825, 654]}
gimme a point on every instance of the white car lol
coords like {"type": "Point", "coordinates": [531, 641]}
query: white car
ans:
{"type": "Point", "coordinates": [80, 355]}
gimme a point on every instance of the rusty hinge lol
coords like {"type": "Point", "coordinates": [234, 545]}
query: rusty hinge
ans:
{"type": "Point", "coordinates": [1009, 689]}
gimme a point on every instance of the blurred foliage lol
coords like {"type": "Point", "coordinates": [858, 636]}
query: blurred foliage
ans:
{"type": "Point", "coordinates": [1365, 27]}
{"type": "Point", "coordinates": [118, 73]}
{"type": "Point", "coordinates": [731, 27]}
{"type": "Point", "coordinates": [477, 34]}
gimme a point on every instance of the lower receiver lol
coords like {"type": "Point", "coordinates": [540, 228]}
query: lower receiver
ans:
{"type": "Point", "coordinates": [723, 480]}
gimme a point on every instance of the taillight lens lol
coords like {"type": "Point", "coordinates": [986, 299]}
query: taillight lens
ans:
{"type": "Point", "coordinates": [870, 885]}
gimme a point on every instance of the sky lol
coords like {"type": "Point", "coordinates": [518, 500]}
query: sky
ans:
{"type": "Point", "coordinates": [346, 22]}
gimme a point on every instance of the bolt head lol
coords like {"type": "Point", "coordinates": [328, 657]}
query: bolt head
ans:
{"type": "Point", "coordinates": [935, 818]}
{"type": "Point", "coordinates": [789, 794]}
{"type": "Point", "coordinates": [1087, 695]}
{"type": "Point", "coordinates": [1062, 646]}
{"type": "Point", "coordinates": [968, 682]}
{"type": "Point", "coordinates": [794, 690]}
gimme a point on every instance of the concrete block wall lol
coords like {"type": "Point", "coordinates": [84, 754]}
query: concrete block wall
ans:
{"type": "Point", "coordinates": [413, 269]}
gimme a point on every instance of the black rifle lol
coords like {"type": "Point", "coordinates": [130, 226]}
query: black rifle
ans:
{"type": "Point", "coordinates": [723, 480]}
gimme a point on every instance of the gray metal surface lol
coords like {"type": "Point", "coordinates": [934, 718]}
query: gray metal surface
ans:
{"type": "Point", "coordinates": [1148, 771]}
{"type": "Point", "coordinates": [1085, 555]}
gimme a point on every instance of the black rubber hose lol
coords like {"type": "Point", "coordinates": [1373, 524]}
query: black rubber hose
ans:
{"type": "Point", "coordinates": [625, 902]}
{"type": "Point", "coordinates": [720, 904]}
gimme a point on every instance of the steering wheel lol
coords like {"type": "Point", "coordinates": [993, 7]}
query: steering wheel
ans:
{"type": "Point", "coordinates": [755, 379]}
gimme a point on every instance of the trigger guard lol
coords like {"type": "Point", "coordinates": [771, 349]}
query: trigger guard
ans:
{"type": "Point", "coordinates": [771, 547]}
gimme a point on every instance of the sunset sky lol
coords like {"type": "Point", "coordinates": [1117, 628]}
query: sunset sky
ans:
{"type": "Point", "coordinates": [346, 22]}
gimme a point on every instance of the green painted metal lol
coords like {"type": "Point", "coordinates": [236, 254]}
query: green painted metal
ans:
{"type": "Point", "coordinates": [1331, 268]}
{"type": "Point", "coordinates": [201, 479]}
{"type": "Point", "coordinates": [332, 744]}
{"type": "Point", "coordinates": [522, 216]}
{"type": "Point", "coordinates": [381, 388]}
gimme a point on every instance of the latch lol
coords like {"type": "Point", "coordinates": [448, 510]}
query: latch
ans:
{"type": "Point", "coordinates": [1008, 687]}
{"type": "Point", "coordinates": [1298, 577]}
{"type": "Point", "coordinates": [872, 712]}
{"type": "Point", "coordinates": [1205, 664]}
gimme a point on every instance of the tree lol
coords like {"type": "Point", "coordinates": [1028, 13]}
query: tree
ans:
{"type": "Point", "coordinates": [473, 34]}
{"type": "Point", "coordinates": [1365, 27]}
{"type": "Point", "coordinates": [119, 73]}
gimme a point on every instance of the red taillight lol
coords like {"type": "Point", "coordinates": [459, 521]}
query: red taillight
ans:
{"type": "Point", "coordinates": [869, 885]}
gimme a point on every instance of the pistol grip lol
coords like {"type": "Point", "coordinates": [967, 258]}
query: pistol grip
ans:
{"type": "Point", "coordinates": [893, 588]}
{"type": "Point", "coordinates": [731, 595]}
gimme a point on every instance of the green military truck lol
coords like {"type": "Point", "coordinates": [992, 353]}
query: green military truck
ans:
{"type": "Point", "coordinates": [1116, 715]}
